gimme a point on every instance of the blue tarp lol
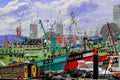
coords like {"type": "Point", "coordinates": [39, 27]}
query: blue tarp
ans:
{"type": "Point", "coordinates": [75, 46]}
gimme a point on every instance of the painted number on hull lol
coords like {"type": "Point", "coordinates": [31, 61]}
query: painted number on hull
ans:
{"type": "Point", "coordinates": [48, 61]}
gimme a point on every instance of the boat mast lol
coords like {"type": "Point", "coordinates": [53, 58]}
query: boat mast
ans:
{"type": "Point", "coordinates": [19, 32]}
{"type": "Point", "coordinates": [18, 29]}
{"type": "Point", "coordinates": [6, 42]}
{"type": "Point", "coordinates": [74, 23]}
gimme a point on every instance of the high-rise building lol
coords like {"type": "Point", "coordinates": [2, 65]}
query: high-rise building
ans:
{"type": "Point", "coordinates": [116, 14]}
{"type": "Point", "coordinates": [33, 31]}
{"type": "Point", "coordinates": [59, 28]}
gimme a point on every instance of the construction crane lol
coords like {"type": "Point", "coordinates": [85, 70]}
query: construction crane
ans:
{"type": "Point", "coordinates": [73, 37]}
{"type": "Point", "coordinates": [73, 21]}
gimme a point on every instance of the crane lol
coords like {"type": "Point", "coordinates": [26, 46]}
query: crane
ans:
{"type": "Point", "coordinates": [111, 60]}
{"type": "Point", "coordinates": [46, 37]}
{"type": "Point", "coordinates": [53, 46]}
{"type": "Point", "coordinates": [112, 38]}
{"type": "Point", "coordinates": [73, 20]}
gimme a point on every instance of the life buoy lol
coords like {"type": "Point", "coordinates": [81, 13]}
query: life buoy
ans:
{"type": "Point", "coordinates": [20, 77]}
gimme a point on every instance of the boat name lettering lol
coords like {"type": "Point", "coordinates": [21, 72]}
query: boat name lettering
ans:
{"type": "Point", "coordinates": [75, 57]}
{"type": "Point", "coordinates": [88, 54]}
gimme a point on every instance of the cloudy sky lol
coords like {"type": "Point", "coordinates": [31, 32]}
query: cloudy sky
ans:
{"type": "Point", "coordinates": [89, 14]}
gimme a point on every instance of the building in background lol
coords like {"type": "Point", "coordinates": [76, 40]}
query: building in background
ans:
{"type": "Point", "coordinates": [33, 31]}
{"type": "Point", "coordinates": [59, 28]}
{"type": "Point", "coordinates": [116, 14]}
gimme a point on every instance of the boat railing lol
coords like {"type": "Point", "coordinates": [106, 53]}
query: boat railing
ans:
{"type": "Point", "coordinates": [32, 46]}
{"type": "Point", "coordinates": [11, 50]}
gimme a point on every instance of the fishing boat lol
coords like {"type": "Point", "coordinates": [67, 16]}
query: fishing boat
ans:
{"type": "Point", "coordinates": [60, 61]}
{"type": "Point", "coordinates": [103, 54]}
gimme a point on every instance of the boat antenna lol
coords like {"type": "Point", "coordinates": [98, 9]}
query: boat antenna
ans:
{"type": "Point", "coordinates": [18, 32]}
{"type": "Point", "coordinates": [18, 29]}
{"type": "Point", "coordinates": [6, 41]}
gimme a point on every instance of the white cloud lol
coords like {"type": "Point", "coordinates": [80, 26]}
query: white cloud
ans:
{"type": "Point", "coordinates": [14, 5]}
{"type": "Point", "coordinates": [9, 20]}
{"type": "Point", "coordinates": [62, 5]}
